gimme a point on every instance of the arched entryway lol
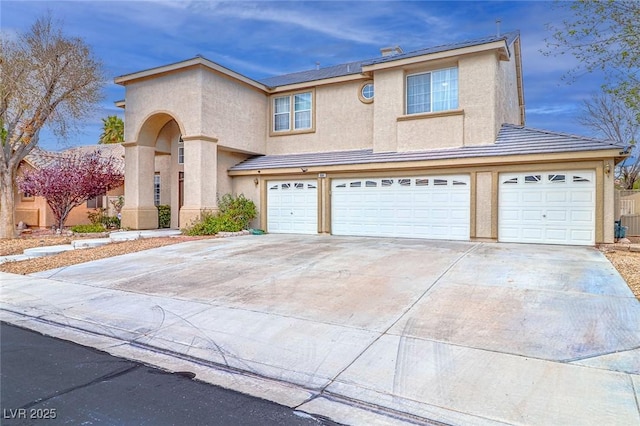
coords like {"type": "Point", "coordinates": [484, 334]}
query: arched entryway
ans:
{"type": "Point", "coordinates": [154, 164]}
{"type": "Point", "coordinates": [167, 165]}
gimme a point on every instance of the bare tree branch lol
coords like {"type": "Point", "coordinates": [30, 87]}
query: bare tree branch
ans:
{"type": "Point", "coordinates": [47, 79]}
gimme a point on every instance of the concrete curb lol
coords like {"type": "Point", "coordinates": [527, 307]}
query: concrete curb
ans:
{"type": "Point", "coordinates": [47, 250]}
{"type": "Point", "coordinates": [90, 243]}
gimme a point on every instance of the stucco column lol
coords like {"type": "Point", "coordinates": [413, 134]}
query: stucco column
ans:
{"type": "Point", "coordinates": [139, 211]}
{"type": "Point", "coordinates": [609, 214]}
{"type": "Point", "coordinates": [200, 178]}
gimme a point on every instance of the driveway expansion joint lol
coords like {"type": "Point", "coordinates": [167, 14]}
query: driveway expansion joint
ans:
{"type": "Point", "coordinates": [386, 331]}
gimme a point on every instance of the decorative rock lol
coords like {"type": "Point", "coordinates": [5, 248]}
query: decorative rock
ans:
{"type": "Point", "coordinates": [624, 241]}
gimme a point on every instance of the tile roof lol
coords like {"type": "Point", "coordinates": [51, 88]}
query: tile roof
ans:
{"type": "Point", "coordinates": [512, 140]}
{"type": "Point", "coordinates": [509, 38]}
{"type": "Point", "coordinates": [356, 67]}
{"type": "Point", "coordinates": [40, 158]}
{"type": "Point", "coordinates": [313, 75]}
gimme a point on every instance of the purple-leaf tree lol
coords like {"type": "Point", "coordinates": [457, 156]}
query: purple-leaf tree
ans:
{"type": "Point", "coordinates": [70, 180]}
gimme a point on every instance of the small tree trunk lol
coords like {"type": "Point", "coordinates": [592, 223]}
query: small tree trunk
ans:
{"type": "Point", "coordinates": [7, 206]}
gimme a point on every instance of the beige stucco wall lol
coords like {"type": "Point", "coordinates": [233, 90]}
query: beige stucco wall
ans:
{"type": "Point", "coordinates": [432, 132]}
{"type": "Point", "coordinates": [507, 103]}
{"type": "Point", "coordinates": [342, 122]}
{"type": "Point", "coordinates": [163, 167]}
{"type": "Point", "coordinates": [487, 97]}
{"type": "Point", "coordinates": [483, 204]}
{"type": "Point", "coordinates": [227, 159]}
{"type": "Point", "coordinates": [178, 94]}
{"type": "Point", "coordinates": [245, 185]}
{"type": "Point", "coordinates": [388, 106]}
{"type": "Point", "coordinates": [477, 97]}
{"type": "Point", "coordinates": [609, 202]}
{"type": "Point", "coordinates": [233, 112]}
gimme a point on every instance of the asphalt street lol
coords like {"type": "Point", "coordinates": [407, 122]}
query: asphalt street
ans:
{"type": "Point", "coordinates": [49, 381]}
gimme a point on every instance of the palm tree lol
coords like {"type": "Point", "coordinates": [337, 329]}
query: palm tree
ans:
{"type": "Point", "coordinates": [112, 130]}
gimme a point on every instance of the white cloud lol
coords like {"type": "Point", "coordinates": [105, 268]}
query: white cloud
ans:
{"type": "Point", "coordinates": [334, 19]}
{"type": "Point", "coordinates": [553, 109]}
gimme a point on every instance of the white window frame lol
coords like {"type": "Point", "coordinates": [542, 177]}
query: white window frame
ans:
{"type": "Point", "coordinates": [452, 104]}
{"type": "Point", "coordinates": [294, 114]}
{"type": "Point", "coordinates": [180, 151]}
{"type": "Point", "coordinates": [366, 92]}
{"type": "Point", "coordinates": [156, 189]}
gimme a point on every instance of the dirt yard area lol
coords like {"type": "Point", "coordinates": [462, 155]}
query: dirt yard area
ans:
{"type": "Point", "coordinates": [73, 257]}
{"type": "Point", "coordinates": [626, 262]}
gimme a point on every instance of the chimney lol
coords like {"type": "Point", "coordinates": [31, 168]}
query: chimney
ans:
{"type": "Point", "coordinates": [391, 51]}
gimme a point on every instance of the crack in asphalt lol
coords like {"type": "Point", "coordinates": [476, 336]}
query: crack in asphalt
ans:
{"type": "Point", "coordinates": [103, 378]}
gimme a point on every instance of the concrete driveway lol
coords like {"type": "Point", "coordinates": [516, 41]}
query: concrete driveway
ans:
{"type": "Point", "coordinates": [364, 330]}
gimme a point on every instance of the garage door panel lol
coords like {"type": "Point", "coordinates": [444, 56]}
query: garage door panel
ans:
{"type": "Point", "coordinates": [556, 234]}
{"type": "Point", "coordinates": [547, 207]}
{"type": "Point", "coordinates": [532, 233]}
{"type": "Point", "coordinates": [461, 198]}
{"type": "Point", "coordinates": [582, 197]}
{"type": "Point", "coordinates": [532, 197]}
{"type": "Point", "coordinates": [580, 235]}
{"type": "Point", "coordinates": [441, 198]}
{"type": "Point", "coordinates": [292, 207]}
{"type": "Point", "coordinates": [531, 215]}
{"type": "Point", "coordinates": [412, 207]}
{"type": "Point", "coordinates": [557, 215]}
{"type": "Point", "coordinates": [557, 197]}
{"type": "Point", "coordinates": [582, 216]}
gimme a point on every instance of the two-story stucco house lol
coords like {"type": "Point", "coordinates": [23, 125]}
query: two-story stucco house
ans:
{"type": "Point", "coordinates": [424, 144]}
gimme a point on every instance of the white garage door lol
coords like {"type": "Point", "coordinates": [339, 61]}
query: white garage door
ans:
{"type": "Point", "coordinates": [434, 207]}
{"type": "Point", "coordinates": [292, 207]}
{"type": "Point", "coordinates": [547, 207]}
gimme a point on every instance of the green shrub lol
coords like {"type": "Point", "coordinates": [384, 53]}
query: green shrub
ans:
{"type": "Point", "coordinates": [96, 216]}
{"type": "Point", "coordinates": [240, 211]}
{"type": "Point", "coordinates": [99, 217]}
{"type": "Point", "coordinates": [234, 214]}
{"type": "Point", "coordinates": [164, 216]}
{"type": "Point", "coordinates": [88, 229]}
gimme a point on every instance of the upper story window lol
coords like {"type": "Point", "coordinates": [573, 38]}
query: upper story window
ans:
{"type": "Point", "coordinates": [293, 112]}
{"type": "Point", "coordinates": [432, 91]}
{"type": "Point", "coordinates": [366, 92]}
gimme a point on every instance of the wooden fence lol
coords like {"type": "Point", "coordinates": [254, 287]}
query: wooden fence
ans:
{"type": "Point", "coordinates": [627, 209]}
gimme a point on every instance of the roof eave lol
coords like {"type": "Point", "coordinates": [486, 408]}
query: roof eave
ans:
{"type": "Point", "coordinates": [500, 46]}
{"type": "Point", "coordinates": [123, 80]}
{"type": "Point", "coordinates": [320, 82]}
{"type": "Point", "coordinates": [454, 161]}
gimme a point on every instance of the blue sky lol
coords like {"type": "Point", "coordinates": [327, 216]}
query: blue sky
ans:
{"type": "Point", "coordinates": [262, 39]}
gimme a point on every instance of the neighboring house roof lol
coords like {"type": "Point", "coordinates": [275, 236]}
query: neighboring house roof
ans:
{"type": "Point", "coordinates": [512, 140]}
{"type": "Point", "coordinates": [356, 67]}
{"type": "Point", "coordinates": [40, 158]}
